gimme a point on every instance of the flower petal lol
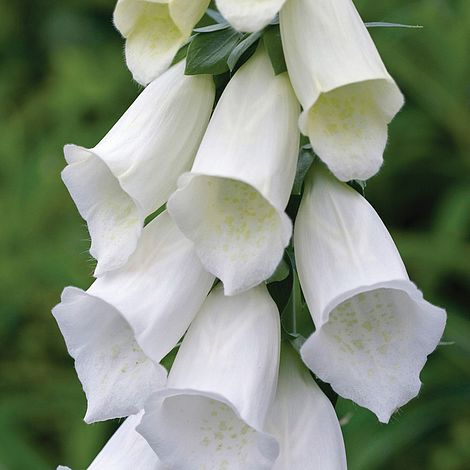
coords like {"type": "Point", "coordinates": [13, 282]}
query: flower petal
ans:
{"type": "Point", "coordinates": [116, 375]}
{"type": "Point", "coordinates": [113, 218]}
{"type": "Point", "coordinates": [221, 386]}
{"type": "Point", "coordinates": [155, 30]}
{"type": "Point", "coordinates": [249, 15]}
{"type": "Point", "coordinates": [374, 329]}
{"type": "Point", "coordinates": [137, 315]}
{"type": "Point", "coordinates": [127, 449]}
{"type": "Point", "coordinates": [347, 94]}
{"type": "Point", "coordinates": [134, 168]}
{"type": "Point", "coordinates": [160, 290]}
{"type": "Point", "coordinates": [232, 204]}
{"type": "Point", "coordinates": [304, 421]}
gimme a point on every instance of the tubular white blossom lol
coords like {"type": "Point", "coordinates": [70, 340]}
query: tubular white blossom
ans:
{"type": "Point", "coordinates": [249, 15]}
{"type": "Point", "coordinates": [128, 320]}
{"type": "Point", "coordinates": [126, 450]}
{"type": "Point", "coordinates": [134, 169]}
{"type": "Point", "coordinates": [232, 203]}
{"type": "Point", "coordinates": [347, 95]}
{"type": "Point", "coordinates": [154, 31]}
{"type": "Point", "coordinates": [374, 329]}
{"type": "Point", "coordinates": [304, 421]}
{"type": "Point", "coordinates": [220, 388]}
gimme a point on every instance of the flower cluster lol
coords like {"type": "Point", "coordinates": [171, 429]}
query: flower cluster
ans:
{"type": "Point", "coordinates": [216, 184]}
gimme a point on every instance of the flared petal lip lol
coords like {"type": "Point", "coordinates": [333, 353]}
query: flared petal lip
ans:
{"type": "Point", "coordinates": [303, 119]}
{"type": "Point", "coordinates": [186, 178]}
{"type": "Point", "coordinates": [67, 297]}
{"type": "Point", "coordinates": [161, 395]}
{"type": "Point", "coordinates": [398, 284]}
{"type": "Point", "coordinates": [415, 295]}
{"type": "Point", "coordinates": [72, 155]}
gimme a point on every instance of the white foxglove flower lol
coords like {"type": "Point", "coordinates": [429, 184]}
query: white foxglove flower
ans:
{"type": "Point", "coordinates": [128, 320]}
{"type": "Point", "coordinates": [347, 95]}
{"type": "Point", "coordinates": [374, 330]}
{"type": "Point", "coordinates": [249, 15]}
{"type": "Point", "coordinates": [220, 388]}
{"type": "Point", "coordinates": [134, 169]}
{"type": "Point", "coordinates": [127, 450]}
{"type": "Point", "coordinates": [232, 203]}
{"type": "Point", "coordinates": [154, 31]}
{"type": "Point", "coordinates": [304, 421]}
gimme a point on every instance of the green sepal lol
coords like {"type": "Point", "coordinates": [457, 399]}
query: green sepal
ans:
{"type": "Point", "coordinates": [282, 272]}
{"type": "Point", "coordinates": [208, 52]}
{"type": "Point", "coordinates": [241, 48]}
{"type": "Point", "coordinates": [272, 42]}
{"type": "Point", "coordinates": [305, 161]}
{"type": "Point", "coordinates": [359, 186]}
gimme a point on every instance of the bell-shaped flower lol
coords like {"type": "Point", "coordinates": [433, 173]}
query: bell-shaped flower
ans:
{"type": "Point", "coordinates": [347, 95]}
{"type": "Point", "coordinates": [126, 450]}
{"type": "Point", "coordinates": [220, 388]}
{"type": "Point", "coordinates": [249, 15]}
{"type": "Point", "coordinates": [374, 330]}
{"type": "Point", "coordinates": [134, 169]}
{"type": "Point", "coordinates": [232, 203]}
{"type": "Point", "coordinates": [128, 320]}
{"type": "Point", "coordinates": [154, 31]}
{"type": "Point", "coordinates": [304, 421]}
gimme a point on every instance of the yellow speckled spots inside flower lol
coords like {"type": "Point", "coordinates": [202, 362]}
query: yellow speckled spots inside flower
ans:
{"type": "Point", "coordinates": [159, 29]}
{"type": "Point", "coordinates": [363, 328]}
{"type": "Point", "coordinates": [235, 229]}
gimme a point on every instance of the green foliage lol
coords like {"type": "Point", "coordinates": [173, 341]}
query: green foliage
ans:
{"type": "Point", "coordinates": [63, 79]}
{"type": "Point", "coordinates": [273, 44]}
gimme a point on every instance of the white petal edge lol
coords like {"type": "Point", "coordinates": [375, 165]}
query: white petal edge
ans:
{"type": "Point", "coordinates": [232, 202]}
{"type": "Point", "coordinates": [304, 420]}
{"type": "Point", "coordinates": [161, 288]}
{"type": "Point", "coordinates": [117, 377]}
{"type": "Point", "coordinates": [113, 218]}
{"type": "Point", "coordinates": [154, 31]}
{"type": "Point", "coordinates": [249, 15]}
{"type": "Point", "coordinates": [375, 344]}
{"type": "Point", "coordinates": [135, 167]}
{"type": "Point", "coordinates": [151, 301]}
{"type": "Point", "coordinates": [221, 386]}
{"type": "Point", "coordinates": [238, 235]}
{"type": "Point", "coordinates": [127, 449]}
{"type": "Point", "coordinates": [347, 94]}
{"type": "Point", "coordinates": [374, 329]}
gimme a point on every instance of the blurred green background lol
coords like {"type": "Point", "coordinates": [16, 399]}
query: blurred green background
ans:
{"type": "Point", "coordinates": [63, 79]}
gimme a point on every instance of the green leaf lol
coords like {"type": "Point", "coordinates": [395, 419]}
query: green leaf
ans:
{"type": "Point", "coordinates": [306, 158]}
{"type": "Point", "coordinates": [295, 318]}
{"type": "Point", "coordinates": [381, 24]}
{"type": "Point", "coordinates": [272, 42]}
{"type": "Point", "coordinates": [208, 53]}
{"type": "Point", "coordinates": [281, 273]}
{"type": "Point", "coordinates": [241, 48]}
{"type": "Point", "coordinates": [181, 54]}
